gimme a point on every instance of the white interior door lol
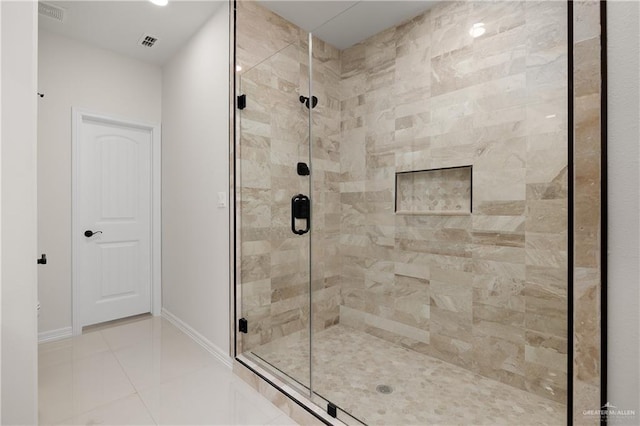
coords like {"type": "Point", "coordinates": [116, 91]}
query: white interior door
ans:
{"type": "Point", "coordinates": [113, 181]}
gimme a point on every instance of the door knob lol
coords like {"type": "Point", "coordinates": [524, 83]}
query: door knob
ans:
{"type": "Point", "coordinates": [89, 233]}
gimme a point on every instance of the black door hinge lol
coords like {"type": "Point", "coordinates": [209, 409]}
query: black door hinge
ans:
{"type": "Point", "coordinates": [243, 325]}
{"type": "Point", "coordinates": [242, 101]}
{"type": "Point", "coordinates": [332, 410]}
{"type": "Point", "coordinates": [42, 260]}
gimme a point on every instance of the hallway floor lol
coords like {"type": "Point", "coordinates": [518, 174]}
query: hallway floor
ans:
{"type": "Point", "coordinates": [144, 373]}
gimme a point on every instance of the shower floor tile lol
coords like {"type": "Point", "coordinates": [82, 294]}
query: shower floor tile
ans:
{"type": "Point", "coordinates": [349, 364]}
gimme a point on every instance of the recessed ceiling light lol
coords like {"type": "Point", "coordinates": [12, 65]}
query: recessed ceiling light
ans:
{"type": "Point", "coordinates": [160, 2]}
{"type": "Point", "coordinates": [238, 68]}
{"type": "Point", "coordinates": [477, 29]}
{"type": "Point", "coordinates": [551, 116]}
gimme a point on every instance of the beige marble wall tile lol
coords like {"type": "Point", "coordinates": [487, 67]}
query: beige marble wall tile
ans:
{"type": "Point", "coordinates": [586, 20]}
{"type": "Point", "coordinates": [274, 136]}
{"type": "Point", "coordinates": [460, 101]}
{"type": "Point", "coordinates": [585, 398]}
{"type": "Point", "coordinates": [587, 244]}
{"type": "Point", "coordinates": [260, 33]}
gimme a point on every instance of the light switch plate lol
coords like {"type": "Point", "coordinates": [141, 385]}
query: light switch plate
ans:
{"type": "Point", "coordinates": [222, 199]}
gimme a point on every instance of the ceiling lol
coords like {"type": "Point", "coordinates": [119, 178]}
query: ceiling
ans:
{"type": "Point", "coordinates": [118, 25]}
{"type": "Point", "coordinates": [343, 23]}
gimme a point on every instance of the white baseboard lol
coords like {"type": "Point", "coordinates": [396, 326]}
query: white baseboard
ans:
{"type": "Point", "coordinates": [198, 338]}
{"type": "Point", "coordinates": [53, 335]}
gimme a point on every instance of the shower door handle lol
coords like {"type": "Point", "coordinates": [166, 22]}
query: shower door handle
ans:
{"type": "Point", "coordinates": [300, 209]}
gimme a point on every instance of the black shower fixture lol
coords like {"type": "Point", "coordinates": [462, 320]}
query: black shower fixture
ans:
{"type": "Point", "coordinates": [305, 100]}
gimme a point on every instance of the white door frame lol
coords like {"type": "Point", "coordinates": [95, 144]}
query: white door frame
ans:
{"type": "Point", "coordinates": [77, 115]}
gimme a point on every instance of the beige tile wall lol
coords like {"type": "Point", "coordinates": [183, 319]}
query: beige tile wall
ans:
{"type": "Point", "coordinates": [487, 291]}
{"type": "Point", "coordinates": [274, 137]}
{"type": "Point", "coordinates": [325, 192]}
{"type": "Point", "coordinates": [587, 245]}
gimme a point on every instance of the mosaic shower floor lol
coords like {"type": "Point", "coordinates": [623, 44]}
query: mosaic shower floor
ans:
{"type": "Point", "coordinates": [349, 364]}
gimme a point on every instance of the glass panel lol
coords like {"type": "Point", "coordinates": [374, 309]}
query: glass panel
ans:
{"type": "Point", "coordinates": [441, 317]}
{"type": "Point", "coordinates": [274, 261]}
{"type": "Point", "coordinates": [326, 282]}
{"type": "Point", "coordinates": [453, 309]}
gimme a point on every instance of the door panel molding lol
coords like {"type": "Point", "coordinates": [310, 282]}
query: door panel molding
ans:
{"type": "Point", "coordinates": [79, 116]}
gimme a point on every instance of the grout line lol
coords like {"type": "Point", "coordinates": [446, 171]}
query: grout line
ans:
{"type": "Point", "coordinates": [72, 361]}
{"type": "Point", "coordinates": [67, 421]}
{"type": "Point", "coordinates": [146, 407]}
{"type": "Point", "coordinates": [107, 342]}
{"type": "Point", "coordinates": [124, 370]}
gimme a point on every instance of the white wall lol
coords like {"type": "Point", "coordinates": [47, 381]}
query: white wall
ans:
{"type": "Point", "coordinates": [72, 73]}
{"type": "Point", "coordinates": [0, 213]}
{"type": "Point", "coordinates": [195, 167]}
{"type": "Point", "coordinates": [624, 214]}
{"type": "Point", "coordinates": [18, 240]}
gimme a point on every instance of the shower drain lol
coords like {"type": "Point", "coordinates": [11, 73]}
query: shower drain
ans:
{"type": "Point", "coordinates": [386, 389]}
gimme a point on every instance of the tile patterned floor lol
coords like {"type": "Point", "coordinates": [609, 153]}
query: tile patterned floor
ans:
{"type": "Point", "coordinates": [144, 373]}
{"type": "Point", "coordinates": [348, 365]}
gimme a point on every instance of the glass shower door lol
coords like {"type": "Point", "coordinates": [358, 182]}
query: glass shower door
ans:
{"type": "Point", "coordinates": [439, 246]}
{"type": "Point", "coordinates": [273, 213]}
{"type": "Point", "coordinates": [432, 286]}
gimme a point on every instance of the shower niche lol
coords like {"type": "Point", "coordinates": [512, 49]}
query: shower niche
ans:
{"type": "Point", "coordinates": [446, 191]}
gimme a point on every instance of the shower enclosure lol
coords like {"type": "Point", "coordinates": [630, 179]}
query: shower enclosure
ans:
{"type": "Point", "coordinates": [402, 204]}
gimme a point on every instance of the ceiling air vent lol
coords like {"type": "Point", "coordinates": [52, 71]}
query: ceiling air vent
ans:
{"type": "Point", "coordinates": [51, 11]}
{"type": "Point", "coordinates": [147, 40]}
